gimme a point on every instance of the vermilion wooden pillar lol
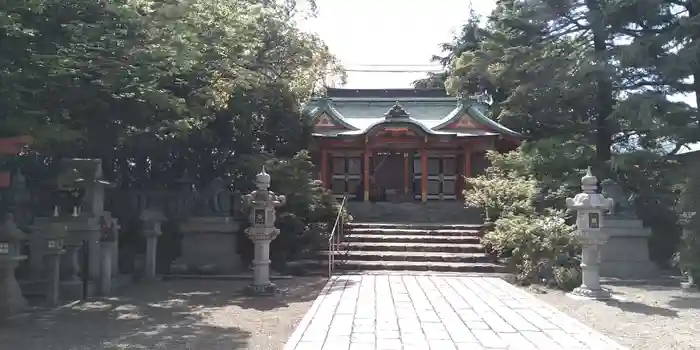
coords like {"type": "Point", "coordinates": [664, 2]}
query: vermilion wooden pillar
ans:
{"type": "Point", "coordinates": [324, 168]}
{"type": "Point", "coordinates": [467, 163]}
{"type": "Point", "coordinates": [467, 167]}
{"type": "Point", "coordinates": [424, 175]}
{"type": "Point", "coordinates": [405, 173]}
{"type": "Point", "coordinates": [365, 173]}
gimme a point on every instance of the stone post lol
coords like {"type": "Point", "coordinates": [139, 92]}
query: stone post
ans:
{"type": "Point", "coordinates": [590, 207]}
{"type": "Point", "coordinates": [686, 220]}
{"type": "Point", "coordinates": [11, 298]}
{"type": "Point", "coordinates": [110, 238]}
{"type": "Point", "coordinates": [153, 220]}
{"type": "Point", "coordinates": [262, 231]}
{"type": "Point", "coordinates": [52, 256]}
{"type": "Point", "coordinates": [106, 267]}
{"type": "Point", "coordinates": [108, 249]}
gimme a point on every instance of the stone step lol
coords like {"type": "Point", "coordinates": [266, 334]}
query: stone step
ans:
{"type": "Point", "coordinates": [355, 265]}
{"type": "Point", "coordinates": [320, 267]}
{"type": "Point", "coordinates": [415, 231]}
{"type": "Point", "coordinates": [419, 226]}
{"type": "Point", "coordinates": [413, 247]}
{"type": "Point", "coordinates": [395, 238]}
{"type": "Point", "coordinates": [410, 256]}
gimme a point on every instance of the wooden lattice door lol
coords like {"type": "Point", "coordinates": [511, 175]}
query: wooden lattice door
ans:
{"type": "Point", "coordinates": [346, 176]}
{"type": "Point", "coordinates": [442, 176]}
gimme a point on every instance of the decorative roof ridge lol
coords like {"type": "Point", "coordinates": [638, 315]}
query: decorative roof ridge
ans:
{"type": "Point", "coordinates": [397, 112]}
{"type": "Point", "coordinates": [385, 93]}
{"type": "Point", "coordinates": [393, 99]}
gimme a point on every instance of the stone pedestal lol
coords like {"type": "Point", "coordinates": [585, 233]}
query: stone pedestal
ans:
{"type": "Point", "coordinates": [150, 263]}
{"type": "Point", "coordinates": [626, 253]}
{"type": "Point", "coordinates": [153, 220]}
{"type": "Point", "coordinates": [81, 229]}
{"type": "Point", "coordinates": [70, 262]}
{"type": "Point", "coordinates": [37, 254]}
{"type": "Point", "coordinates": [110, 233]}
{"type": "Point", "coordinates": [11, 299]}
{"type": "Point", "coordinates": [261, 268]}
{"type": "Point", "coordinates": [107, 249]}
{"type": "Point", "coordinates": [690, 285]}
{"type": "Point", "coordinates": [52, 261]}
{"type": "Point", "coordinates": [590, 268]}
{"type": "Point", "coordinates": [70, 283]}
{"type": "Point", "coordinates": [209, 245]}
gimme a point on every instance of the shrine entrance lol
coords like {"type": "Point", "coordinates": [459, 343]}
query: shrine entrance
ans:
{"type": "Point", "coordinates": [389, 176]}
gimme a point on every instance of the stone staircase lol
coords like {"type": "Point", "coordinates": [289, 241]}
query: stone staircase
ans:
{"type": "Point", "coordinates": [436, 212]}
{"type": "Point", "coordinates": [413, 247]}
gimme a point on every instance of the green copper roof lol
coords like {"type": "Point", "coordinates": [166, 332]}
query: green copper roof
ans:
{"type": "Point", "coordinates": [357, 111]}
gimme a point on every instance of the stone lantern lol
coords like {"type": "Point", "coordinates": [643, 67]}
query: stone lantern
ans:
{"type": "Point", "coordinates": [590, 207]}
{"type": "Point", "coordinates": [11, 298]}
{"type": "Point", "coordinates": [153, 220]}
{"type": "Point", "coordinates": [262, 231]}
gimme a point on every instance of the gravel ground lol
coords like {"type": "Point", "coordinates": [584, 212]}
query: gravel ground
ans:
{"type": "Point", "coordinates": [654, 316]}
{"type": "Point", "coordinates": [172, 315]}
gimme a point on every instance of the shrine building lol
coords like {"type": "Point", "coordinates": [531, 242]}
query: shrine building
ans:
{"type": "Point", "coordinates": [401, 145]}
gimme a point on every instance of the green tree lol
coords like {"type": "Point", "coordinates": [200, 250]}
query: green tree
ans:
{"type": "Point", "coordinates": [588, 82]}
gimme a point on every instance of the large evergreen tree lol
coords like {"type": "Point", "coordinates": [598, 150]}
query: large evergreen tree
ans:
{"type": "Point", "coordinates": [589, 82]}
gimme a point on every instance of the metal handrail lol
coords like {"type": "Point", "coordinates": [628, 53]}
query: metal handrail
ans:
{"type": "Point", "coordinates": [334, 239]}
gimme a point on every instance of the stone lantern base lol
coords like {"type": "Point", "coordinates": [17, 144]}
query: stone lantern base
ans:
{"type": "Point", "coordinates": [269, 289]}
{"type": "Point", "coordinates": [690, 285]}
{"type": "Point", "coordinates": [591, 294]}
{"type": "Point", "coordinates": [11, 299]}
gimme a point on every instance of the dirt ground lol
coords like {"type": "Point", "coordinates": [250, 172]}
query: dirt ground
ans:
{"type": "Point", "coordinates": [655, 315]}
{"type": "Point", "coordinates": [173, 315]}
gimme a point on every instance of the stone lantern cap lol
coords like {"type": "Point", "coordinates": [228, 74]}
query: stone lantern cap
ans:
{"type": "Point", "coordinates": [589, 199]}
{"type": "Point", "coordinates": [10, 236]}
{"type": "Point", "coordinates": [262, 180]}
{"type": "Point", "coordinates": [9, 232]}
{"type": "Point", "coordinates": [153, 215]}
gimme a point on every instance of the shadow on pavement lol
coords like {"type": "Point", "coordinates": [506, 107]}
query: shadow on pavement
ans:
{"type": "Point", "coordinates": [166, 315]}
{"type": "Point", "coordinates": [296, 290]}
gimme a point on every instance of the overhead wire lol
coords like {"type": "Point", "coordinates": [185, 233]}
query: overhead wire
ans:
{"type": "Point", "coordinates": [397, 68]}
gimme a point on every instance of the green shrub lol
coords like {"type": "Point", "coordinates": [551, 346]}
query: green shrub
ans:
{"type": "Point", "coordinates": [688, 256]}
{"type": "Point", "coordinates": [535, 241]}
{"type": "Point", "coordinates": [567, 277]}
{"type": "Point", "coordinates": [534, 244]}
{"type": "Point", "coordinates": [503, 189]}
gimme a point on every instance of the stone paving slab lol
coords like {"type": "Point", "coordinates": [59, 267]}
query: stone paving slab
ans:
{"type": "Point", "coordinates": [438, 312]}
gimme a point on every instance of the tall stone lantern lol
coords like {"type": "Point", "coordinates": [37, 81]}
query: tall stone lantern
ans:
{"type": "Point", "coordinates": [11, 298]}
{"type": "Point", "coordinates": [590, 207]}
{"type": "Point", "coordinates": [262, 231]}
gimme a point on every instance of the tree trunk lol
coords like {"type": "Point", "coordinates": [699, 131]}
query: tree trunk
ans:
{"type": "Point", "coordinates": [605, 98]}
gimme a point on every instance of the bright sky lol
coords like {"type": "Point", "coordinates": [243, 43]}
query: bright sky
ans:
{"type": "Point", "coordinates": [389, 32]}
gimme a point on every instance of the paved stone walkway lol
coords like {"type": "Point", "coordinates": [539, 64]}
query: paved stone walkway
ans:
{"type": "Point", "coordinates": [366, 312]}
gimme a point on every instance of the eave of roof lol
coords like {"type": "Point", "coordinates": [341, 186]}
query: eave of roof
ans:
{"type": "Point", "coordinates": [472, 107]}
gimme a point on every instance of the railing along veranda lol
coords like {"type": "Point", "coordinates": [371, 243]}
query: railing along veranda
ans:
{"type": "Point", "coordinates": [334, 239]}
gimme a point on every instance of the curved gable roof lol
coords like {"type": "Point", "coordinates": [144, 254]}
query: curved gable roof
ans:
{"type": "Point", "coordinates": [361, 111]}
{"type": "Point", "coordinates": [324, 106]}
{"type": "Point", "coordinates": [477, 110]}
